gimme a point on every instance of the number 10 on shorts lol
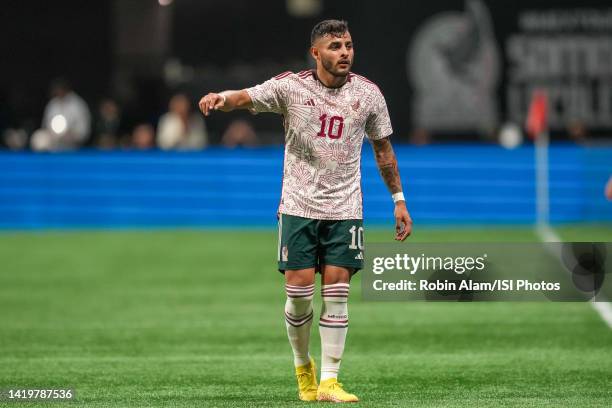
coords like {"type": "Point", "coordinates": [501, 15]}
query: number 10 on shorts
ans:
{"type": "Point", "coordinates": [356, 238]}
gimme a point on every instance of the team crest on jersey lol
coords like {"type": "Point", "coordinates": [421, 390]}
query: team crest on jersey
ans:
{"type": "Point", "coordinates": [284, 254]}
{"type": "Point", "coordinates": [356, 105]}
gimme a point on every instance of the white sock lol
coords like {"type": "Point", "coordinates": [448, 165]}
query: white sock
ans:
{"type": "Point", "coordinates": [298, 319]}
{"type": "Point", "coordinates": [333, 326]}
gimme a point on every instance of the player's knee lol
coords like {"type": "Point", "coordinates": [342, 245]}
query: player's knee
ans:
{"type": "Point", "coordinates": [299, 300]}
{"type": "Point", "coordinates": [302, 277]}
{"type": "Point", "coordinates": [334, 275]}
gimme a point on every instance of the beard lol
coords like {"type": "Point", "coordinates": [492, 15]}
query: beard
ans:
{"type": "Point", "coordinates": [329, 67]}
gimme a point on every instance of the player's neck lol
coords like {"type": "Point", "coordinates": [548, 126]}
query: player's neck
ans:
{"type": "Point", "coordinates": [329, 80]}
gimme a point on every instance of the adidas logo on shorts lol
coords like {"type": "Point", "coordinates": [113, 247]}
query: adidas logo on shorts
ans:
{"type": "Point", "coordinates": [359, 255]}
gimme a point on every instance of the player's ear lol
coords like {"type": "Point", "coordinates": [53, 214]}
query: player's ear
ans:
{"type": "Point", "coordinates": [314, 52]}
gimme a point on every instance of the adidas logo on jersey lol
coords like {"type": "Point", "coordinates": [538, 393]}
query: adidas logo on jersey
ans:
{"type": "Point", "coordinates": [359, 255]}
{"type": "Point", "coordinates": [309, 102]}
{"type": "Point", "coordinates": [356, 105]}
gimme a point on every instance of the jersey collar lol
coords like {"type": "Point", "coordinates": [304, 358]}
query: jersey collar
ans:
{"type": "Point", "coordinates": [314, 75]}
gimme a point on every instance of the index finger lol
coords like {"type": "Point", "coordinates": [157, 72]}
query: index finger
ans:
{"type": "Point", "coordinates": [202, 105]}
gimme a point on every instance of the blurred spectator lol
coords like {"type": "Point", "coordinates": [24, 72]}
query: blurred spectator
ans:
{"type": "Point", "coordinates": [609, 189]}
{"type": "Point", "coordinates": [66, 121]}
{"type": "Point", "coordinates": [181, 128]}
{"type": "Point", "coordinates": [577, 131]}
{"type": "Point", "coordinates": [15, 139]}
{"type": "Point", "coordinates": [107, 123]}
{"type": "Point", "coordinates": [420, 137]}
{"type": "Point", "coordinates": [239, 133]}
{"type": "Point", "coordinates": [143, 137]}
{"type": "Point", "coordinates": [510, 135]}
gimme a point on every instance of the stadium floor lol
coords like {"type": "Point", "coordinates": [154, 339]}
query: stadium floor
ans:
{"type": "Point", "coordinates": [194, 318]}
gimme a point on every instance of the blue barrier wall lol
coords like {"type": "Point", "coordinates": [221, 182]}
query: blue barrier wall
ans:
{"type": "Point", "coordinates": [218, 187]}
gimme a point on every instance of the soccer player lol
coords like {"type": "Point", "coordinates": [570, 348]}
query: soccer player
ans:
{"type": "Point", "coordinates": [326, 114]}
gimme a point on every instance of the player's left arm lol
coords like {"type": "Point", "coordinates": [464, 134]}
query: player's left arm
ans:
{"type": "Point", "coordinates": [387, 165]}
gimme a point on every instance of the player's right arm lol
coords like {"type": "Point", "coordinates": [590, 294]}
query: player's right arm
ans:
{"type": "Point", "coordinates": [225, 101]}
{"type": "Point", "coordinates": [269, 96]}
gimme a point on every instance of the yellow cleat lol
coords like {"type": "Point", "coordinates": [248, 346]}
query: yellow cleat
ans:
{"type": "Point", "coordinates": [307, 381]}
{"type": "Point", "coordinates": [331, 390]}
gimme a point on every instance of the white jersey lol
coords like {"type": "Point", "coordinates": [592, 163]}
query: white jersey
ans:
{"type": "Point", "coordinates": [324, 131]}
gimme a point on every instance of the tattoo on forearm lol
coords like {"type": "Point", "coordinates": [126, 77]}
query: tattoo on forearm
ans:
{"type": "Point", "coordinates": [390, 175]}
{"type": "Point", "coordinates": [387, 165]}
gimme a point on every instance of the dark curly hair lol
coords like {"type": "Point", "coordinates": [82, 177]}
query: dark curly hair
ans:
{"type": "Point", "coordinates": [337, 28]}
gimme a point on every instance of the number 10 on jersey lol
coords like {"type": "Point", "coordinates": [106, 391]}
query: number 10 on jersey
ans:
{"type": "Point", "coordinates": [356, 238]}
{"type": "Point", "coordinates": [334, 126]}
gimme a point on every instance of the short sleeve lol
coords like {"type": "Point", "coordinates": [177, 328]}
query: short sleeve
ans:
{"type": "Point", "coordinates": [270, 96]}
{"type": "Point", "coordinates": [378, 124]}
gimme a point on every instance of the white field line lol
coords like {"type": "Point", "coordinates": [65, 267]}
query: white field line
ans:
{"type": "Point", "coordinates": [602, 307]}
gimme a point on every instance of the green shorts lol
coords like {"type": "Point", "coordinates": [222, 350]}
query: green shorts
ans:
{"type": "Point", "coordinates": [307, 243]}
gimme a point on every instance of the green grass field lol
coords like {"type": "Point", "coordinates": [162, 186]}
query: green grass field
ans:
{"type": "Point", "coordinates": [194, 318]}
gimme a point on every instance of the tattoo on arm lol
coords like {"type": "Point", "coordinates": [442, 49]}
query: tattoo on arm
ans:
{"type": "Point", "coordinates": [387, 164]}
